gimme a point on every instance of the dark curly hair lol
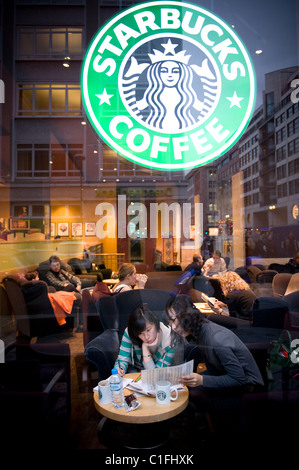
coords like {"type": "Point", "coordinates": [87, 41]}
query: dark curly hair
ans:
{"type": "Point", "coordinates": [190, 318]}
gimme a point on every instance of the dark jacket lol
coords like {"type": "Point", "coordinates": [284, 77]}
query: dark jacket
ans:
{"type": "Point", "coordinates": [228, 361]}
{"type": "Point", "coordinates": [58, 280]}
{"type": "Point", "coordinates": [240, 304]}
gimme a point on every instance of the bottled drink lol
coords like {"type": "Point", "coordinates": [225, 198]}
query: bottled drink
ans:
{"type": "Point", "coordinates": [116, 387]}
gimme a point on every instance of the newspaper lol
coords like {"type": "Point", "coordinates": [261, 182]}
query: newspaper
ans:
{"type": "Point", "coordinates": [150, 377]}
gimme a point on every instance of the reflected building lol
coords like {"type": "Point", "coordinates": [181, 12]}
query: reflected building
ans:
{"type": "Point", "coordinates": [55, 172]}
{"type": "Point", "coordinates": [266, 159]}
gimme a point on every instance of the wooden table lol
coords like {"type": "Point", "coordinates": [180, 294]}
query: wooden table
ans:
{"type": "Point", "coordinates": [146, 427]}
{"type": "Point", "coordinates": [148, 412]}
{"type": "Point", "coordinates": [111, 282]}
{"type": "Point", "coordinates": [203, 309]}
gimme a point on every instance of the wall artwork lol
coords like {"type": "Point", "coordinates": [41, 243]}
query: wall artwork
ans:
{"type": "Point", "coordinates": [63, 229]}
{"type": "Point", "coordinates": [77, 229]}
{"type": "Point", "coordinates": [90, 229]}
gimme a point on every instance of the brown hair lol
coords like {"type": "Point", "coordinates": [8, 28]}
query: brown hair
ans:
{"type": "Point", "coordinates": [125, 270]}
{"type": "Point", "coordinates": [231, 281]}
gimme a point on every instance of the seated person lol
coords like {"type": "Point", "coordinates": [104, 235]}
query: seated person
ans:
{"type": "Point", "coordinates": [60, 278]}
{"type": "Point", "coordinates": [238, 297]}
{"type": "Point", "coordinates": [128, 278]}
{"type": "Point", "coordinates": [63, 281]}
{"type": "Point", "coordinates": [196, 264]}
{"type": "Point", "coordinates": [214, 265]}
{"type": "Point", "coordinates": [230, 371]}
{"type": "Point", "coordinates": [62, 301]}
{"type": "Point", "coordinates": [146, 343]}
{"type": "Point", "coordinates": [292, 266]}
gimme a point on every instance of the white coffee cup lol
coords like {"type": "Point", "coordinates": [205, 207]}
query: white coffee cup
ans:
{"type": "Point", "coordinates": [104, 392]}
{"type": "Point", "coordinates": [163, 392]}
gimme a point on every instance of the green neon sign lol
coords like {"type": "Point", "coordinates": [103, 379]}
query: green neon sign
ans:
{"type": "Point", "coordinates": [168, 85]}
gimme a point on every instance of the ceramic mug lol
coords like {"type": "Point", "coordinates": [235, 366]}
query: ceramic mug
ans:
{"type": "Point", "coordinates": [104, 392]}
{"type": "Point", "coordinates": [163, 392]}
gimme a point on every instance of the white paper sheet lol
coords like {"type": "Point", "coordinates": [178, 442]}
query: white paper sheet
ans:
{"type": "Point", "coordinates": [150, 377]}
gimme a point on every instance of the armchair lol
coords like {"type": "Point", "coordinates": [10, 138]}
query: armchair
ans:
{"type": "Point", "coordinates": [32, 309]}
{"type": "Point", "coordinates": [114, 313]}
{"type": "Point", "coordinates": [35, 396]}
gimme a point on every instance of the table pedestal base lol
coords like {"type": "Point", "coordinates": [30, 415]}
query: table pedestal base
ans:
{"type": "Point", "coordinates": [132, 436]}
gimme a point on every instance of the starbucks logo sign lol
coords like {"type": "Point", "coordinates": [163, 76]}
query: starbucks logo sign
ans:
{"type": "Point", "coordinates": [161, 395]}
{"type": "Point", "coordinates": [168, 85]}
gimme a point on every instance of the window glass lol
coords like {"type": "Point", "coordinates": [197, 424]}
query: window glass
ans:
{"type": "Point", "coordinates": [58, 42]}
{"type": "Point", "coordinates": [58, 100]}
{"type": "Point", "coordinates": [26, 43]}
{"type": "Point", "coordinates": [41, 163]}
{"type": "Point", "coordinates": [42, 43]}
{"type": "Point", "coordinates": [74, 43]}
{"type": "Point", "coordinates": [41, 100]}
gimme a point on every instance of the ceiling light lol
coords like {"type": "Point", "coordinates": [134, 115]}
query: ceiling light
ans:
{"type": "Point", "coordinates": [66, 62]}
{"type": "Point", "coordinates": [258, 51]}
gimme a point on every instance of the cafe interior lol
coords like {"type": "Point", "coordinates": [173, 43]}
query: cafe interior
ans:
{"type": "Point", "coordinates": [65, 190]}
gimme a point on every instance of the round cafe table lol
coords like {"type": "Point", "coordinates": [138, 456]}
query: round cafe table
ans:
{"type": "Point", "coordinates": [143, 428]}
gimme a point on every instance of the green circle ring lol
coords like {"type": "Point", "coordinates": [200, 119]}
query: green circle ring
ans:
{"type": "Point", "coordinates": [223, 84]}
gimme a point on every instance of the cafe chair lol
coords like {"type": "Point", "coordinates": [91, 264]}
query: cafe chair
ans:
{"type": "Point", "coordinates": [252, 272]}
{"type": "Point", "coordinates": [84, 267]}
{"type": "Point", "coordinates": [265, 276]}
{"type": "Point", "coordinates": [203, 284]}
{"type": "Point", "coordinates": [243, 273]}
{"type": "Point", "coordinates": [35, 397]}
{"type": "Point", "coordinates": [293, 285]}
{"type": "Point", "coordinates": [32, 309]}
{"type": "Point", "coordinates": [92, 326]}
{"type": "Point", "coordinates": [280, 283]}
{"type": "Point", "coordinates": [269, 312]}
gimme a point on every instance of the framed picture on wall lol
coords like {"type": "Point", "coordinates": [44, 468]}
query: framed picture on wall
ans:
{"type": "Point", "coordinates": [53, 229]}
{"type": "Point", "coordinates": [90, 229]}
{"type": "Point", "coordinates": [77, 229]}
{"type": "Point", "coordinates": [63, 229]}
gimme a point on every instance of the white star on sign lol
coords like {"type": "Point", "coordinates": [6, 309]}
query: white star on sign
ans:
{"type": "Point", "coordinates": [169, 47]}
{"type": "Point", "coordinates": [104, 97]}
{"type": "Point", "coordinates": [234, 100]}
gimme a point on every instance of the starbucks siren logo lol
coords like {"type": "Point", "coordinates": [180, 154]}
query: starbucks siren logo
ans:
{"type": "Point", "coordinates": [161, 395]}
{"type": "Point", "coordinates": [168, 85]}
